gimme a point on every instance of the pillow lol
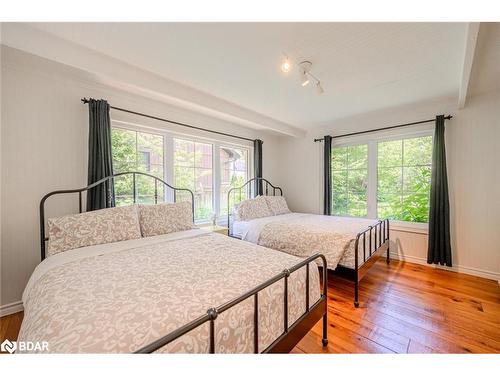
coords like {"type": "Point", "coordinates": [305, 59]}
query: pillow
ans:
{"type": "Point", "coordinates": [277, 204]}
{"type": "Point", "coordinates": [253, 209]}
{"type": "Point", "coordinates": [236, 213]}
{"type": "Point", "coordinates": [93, 228]}
{"type": "Point", "coordinates": [165, 218]}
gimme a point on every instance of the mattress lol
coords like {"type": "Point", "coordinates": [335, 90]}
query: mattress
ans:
{"type": "Point", "coordinates": [306, 234]}
{"type": "Point", "coordinates": [119, 297]}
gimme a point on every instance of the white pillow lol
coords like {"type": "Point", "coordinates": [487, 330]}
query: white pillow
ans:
{"type": "Point", "coordinates": [93, 228]}
{"type": "Point", "coordinates": [277, 204]}
{"type": "Point", "coordinates": [252, 209]}
{"type": "Point", "coordinates": [165, 218]}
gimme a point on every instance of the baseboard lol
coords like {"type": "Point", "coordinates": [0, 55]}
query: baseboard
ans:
{"type": "Point", "coordinates": [11, 308]}
{"type": "Point", "coordinates": [460, 269]}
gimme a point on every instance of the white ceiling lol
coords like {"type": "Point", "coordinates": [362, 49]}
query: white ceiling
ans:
{"type": "Point", "coordinates": [363, 66]}
{"type": "Point", "coordinates": [486, 67]}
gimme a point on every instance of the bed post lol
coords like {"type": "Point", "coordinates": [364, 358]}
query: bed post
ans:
{"type": "Point", "coordinates": [324, 340]}
{"type": "Point", "coordinates": [388, 260]}
{"type": "Point", "coordinates": [356, 290]}
{"type": "Point", "coordinates": [356, 272]}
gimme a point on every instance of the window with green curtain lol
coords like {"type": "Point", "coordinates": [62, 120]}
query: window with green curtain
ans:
{"type": "Point", "coordinates": [383, 178]}
{"type": "Point", "coordinates": [404, 176]}
{"type": "Point", "coordinates": [350, 180]}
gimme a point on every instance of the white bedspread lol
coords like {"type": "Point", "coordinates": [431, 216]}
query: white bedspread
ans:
{"type": "Point", "coordinates": [119, 297]}
{"type": "Point", "coordinates": [306, 234]}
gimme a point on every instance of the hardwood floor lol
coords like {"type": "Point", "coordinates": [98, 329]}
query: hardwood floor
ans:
{"type": "Point", "coordinates": [405, 308]}
{"type": "Point", "coordinates": [9, 326]}
{"type": "Point", "coordinates": [410, 308]}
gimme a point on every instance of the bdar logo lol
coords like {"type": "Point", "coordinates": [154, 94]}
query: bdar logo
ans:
{"type": "Point", "coordinates": [8, 346]}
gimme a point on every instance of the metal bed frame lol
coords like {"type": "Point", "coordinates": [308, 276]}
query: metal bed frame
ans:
{"type": "Point", "coordinates": [291, 335]}
{"type": "Point", "coordinates": [374, 239]}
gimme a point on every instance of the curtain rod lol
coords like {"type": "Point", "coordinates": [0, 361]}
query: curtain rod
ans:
{"type": "Point", "coordinates": [449, 117]}
{"type": "Point", "coordinates": [85, 101]}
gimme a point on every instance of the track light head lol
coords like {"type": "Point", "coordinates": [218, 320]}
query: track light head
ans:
{"type": "Point", "coordinates": [304, 79]}
{"type": "Point", "coordinates": [319, 88]}
{"type": "Point", "coordinates": [305, 67]}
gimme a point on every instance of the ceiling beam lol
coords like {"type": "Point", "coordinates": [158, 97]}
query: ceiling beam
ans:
{"type": "Point", "coordinates": [470, 47]}
{"type": "Point", "coordinates": [129, 78]}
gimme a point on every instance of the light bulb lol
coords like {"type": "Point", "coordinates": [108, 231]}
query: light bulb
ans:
{"type": "Point", "coordinates": [286, 66]}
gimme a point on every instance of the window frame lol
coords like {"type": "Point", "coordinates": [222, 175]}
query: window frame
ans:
{"type": "Point", "coordinates": [372, 140]}
{"type": "Point", "coordinates": [168, 159]}
{"type": "Point", "coordinates": [368, 177]}
{"type": "Point", "coordinates": [148, 131]}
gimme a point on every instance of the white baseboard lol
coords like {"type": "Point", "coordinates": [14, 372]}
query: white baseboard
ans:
{"type": "Point", "coordinates": [460, 269]}
{"type": "Point", "coordinates": [11, 308]}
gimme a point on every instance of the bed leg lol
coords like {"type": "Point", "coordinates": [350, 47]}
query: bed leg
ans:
{"type": "Point", "coordinates": [388, 260]}
{"type": "Point", "coordinates": [356, 293]}
{"type": "Point", "coordinates": [324, 341]}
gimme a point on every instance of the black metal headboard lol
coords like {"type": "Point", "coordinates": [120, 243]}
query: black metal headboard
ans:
{"type": "Point", "coordinates": [109, 194]}
{"type": "Point", "coordinates": [257, 185]}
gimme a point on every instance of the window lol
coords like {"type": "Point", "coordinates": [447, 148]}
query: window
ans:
{"type": "Point", "coordinates": [350, 180]}
{"type": "Point", "coordinates": [136, 151]}
{"type": "Point", "coordinates": [233, 173]}
{"type": "Point", "coordinates": [207, 168]}
{"type": "Point", "coordinates": [146, 160]}
{"type": "Point", "coordinates": [193, 171]}
{"type": "Point", "coordinates": [404, 176]}
{"type": "Point", "coordinates": [385, 178]}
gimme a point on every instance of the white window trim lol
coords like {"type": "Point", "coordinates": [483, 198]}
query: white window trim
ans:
{"type": "Point", "coordinates": [372, 140]}
{"type": "Point", "coordinates": [168, 160]}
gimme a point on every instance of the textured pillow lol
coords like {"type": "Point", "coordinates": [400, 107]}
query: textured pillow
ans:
{"type": "Point", "coordinates": [165, 218]}
{"type": "Point", "coordinates": [236, 213]}
{"type": "Point", "coordinates": [93, 228]}
{"type": "Point", "coordinates": [277, 204]}
{"type": "Point", "coordinates": [253, 209]}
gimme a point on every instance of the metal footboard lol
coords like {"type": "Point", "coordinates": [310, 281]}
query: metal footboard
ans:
{"type": "Point", "coordinates": [291, 333]}
{"type": "Point", "coordinates": [373, 247]}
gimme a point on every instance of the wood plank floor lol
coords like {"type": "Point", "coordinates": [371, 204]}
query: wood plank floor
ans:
{"type": "Point", "coordinates": [405, 308]}
{"type": "Point", "coordinates": [410, 308]}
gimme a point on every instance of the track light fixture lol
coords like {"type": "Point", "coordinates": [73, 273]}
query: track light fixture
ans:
{"type": "Point", "coordinates": [305, 74]}
{"type": "Point", "coordinates": [305, 67]}
{"type": "Point", "coordinates": [319, 88]}
{"type": "Point", "coordinates": [304, 79]}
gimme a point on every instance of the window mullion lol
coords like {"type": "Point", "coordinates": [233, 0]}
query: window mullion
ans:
{"type": "Point", "coordinates": [216, 178]}
{"type": "Point", "coordinates": [372, 179]}
{"type": "Point", "coordinates": [402, 173]}
{"type": "Point", "coordinates": [168, 166]}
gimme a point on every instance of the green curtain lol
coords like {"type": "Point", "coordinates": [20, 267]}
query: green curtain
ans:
{"type": "Point", "coordinates": [327, 175]}
{"type": "Point", "coordinates": [257, 165]}
{"type": "Point", "coordinates": [100, 162]}
{"type": "Point", "coordinates": [439, 247]}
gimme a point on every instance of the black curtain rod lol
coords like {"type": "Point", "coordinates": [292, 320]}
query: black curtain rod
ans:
{"type": "Point", "coordinates": [85, 100]}
{"type": "Point", "coordinates": [386, 128]}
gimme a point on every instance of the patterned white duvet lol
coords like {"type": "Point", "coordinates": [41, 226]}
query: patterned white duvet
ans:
{"type": "Point", "coordinates": [122, 296]}
{"type": "Point", "coordinates": [306, 234]}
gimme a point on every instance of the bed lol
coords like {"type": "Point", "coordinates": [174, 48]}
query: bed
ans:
{"type": "Point", "coordinates": [351, 245]}
{"type": "Point", "coordinates": [187, 291]}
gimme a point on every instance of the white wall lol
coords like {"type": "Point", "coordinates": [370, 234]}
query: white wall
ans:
{"type": "Point", "coordinates": [473, 150]}
{"type": "Point", "coordinates": [44, 143]}
{"type": "Point", "coordinates": [44, 147]}
{"type": "Point", "coordinates": [1, 105]}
